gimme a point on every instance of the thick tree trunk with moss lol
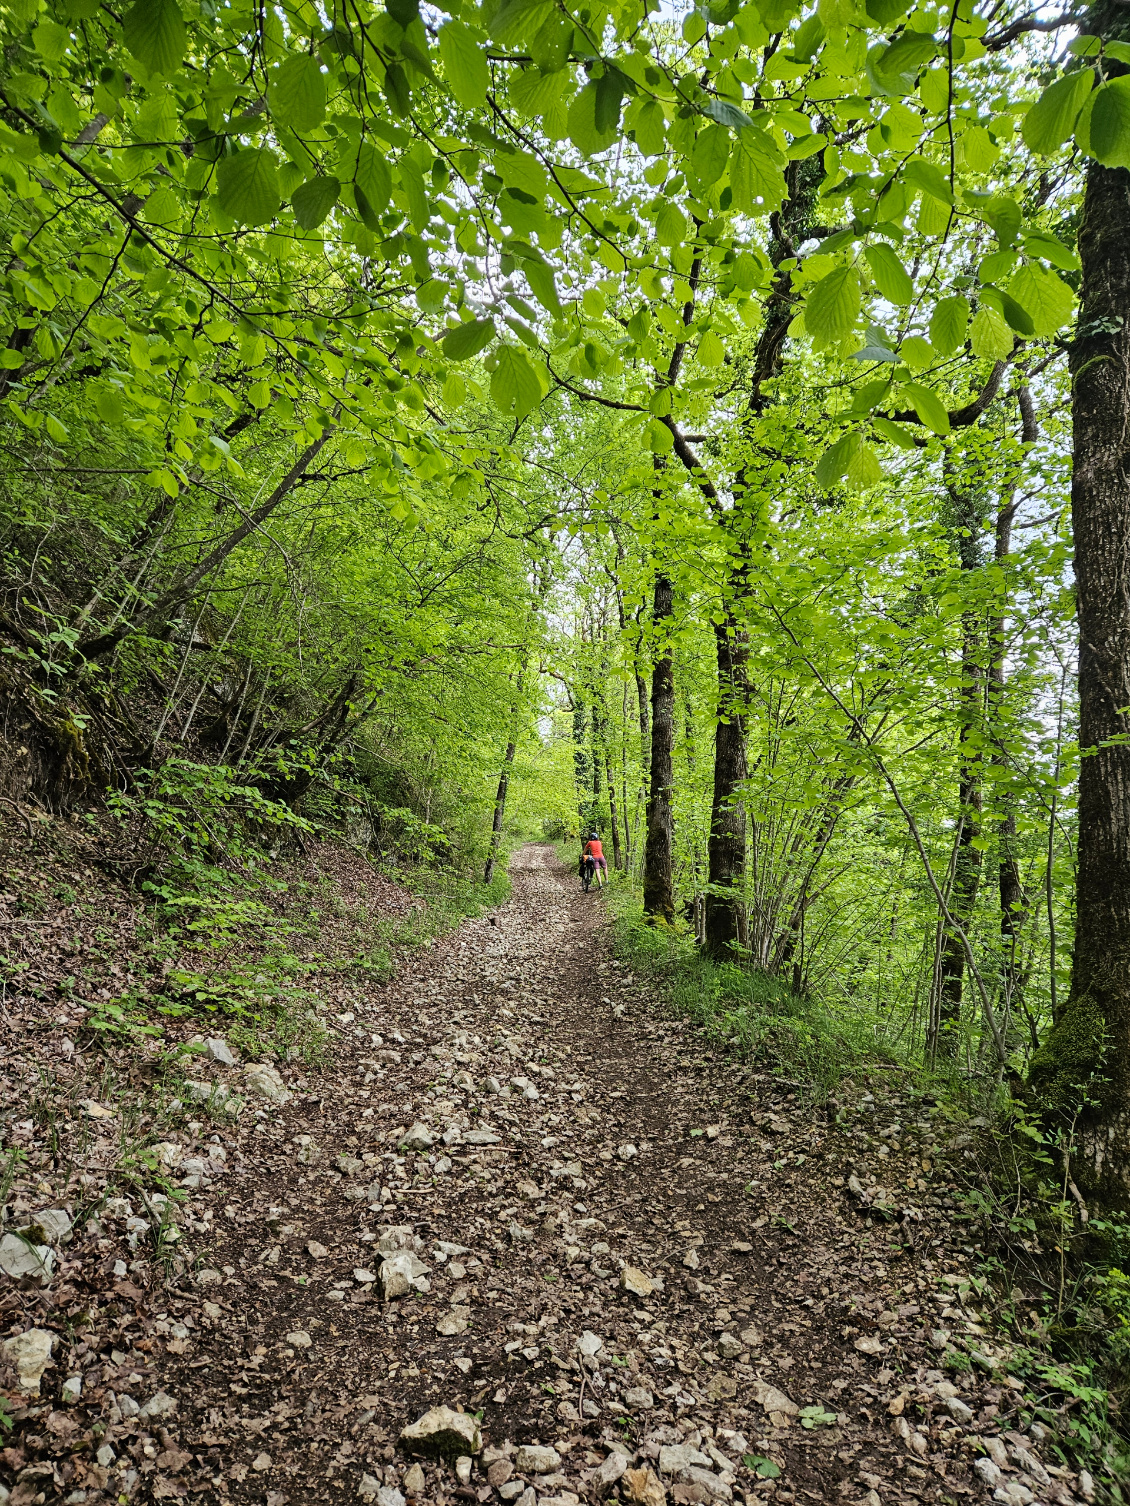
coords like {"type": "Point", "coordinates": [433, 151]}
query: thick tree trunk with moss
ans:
{"type": "Point", "coordinates": [1090, 1044]}
{"type": "Point", "coordinates": [658, 871]}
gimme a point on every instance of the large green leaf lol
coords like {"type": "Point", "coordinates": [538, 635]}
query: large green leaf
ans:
{"type": "Point", "coordinates": [670, 226]}
{"type": "Point", "coordinates": [1046, 298]}
{"type": "Point", "coordinates": [929, 407]}
{"type": "Point", "coordinates": [611, 87]}
{"type": "Point", "coordinates": [154, 32]}
{"type": "Point", "coordinates": [533, 92]}
{"type": "Point", "coordinates": [948, 324]}
{"type": "Point", "coordinates": [373, 177]}
{"type": "Point", "coordinates": [650, 126]}
{"type": "Point", "coordinates": [515, 385]}
{"type": "Point", "coordinates": [709, 155]}
{"type": "Point", "coordinates": [297, 93]}
{"type": "Point", "coordinates": [542, 285]}
{"type": "Point", "coordinates": [247, 186]}
{"type": "Point", "coordinates": [889, 273]}
{"type": "Point", "coordinates": [412, 181]}
{"type": "Point", "coordinates": [989, 335]}
{"type": "Point", "coordinates": [313, 200]}
{"type": "Point", "coordinates": [832, 307]}
{"type": "Point", "coordinates": [1048, 248]}
{"type": "Point", "coordinates": [1051, 120]}
{"type": "Point", "coordinates": [582, 124]}
{"type": "Point", "coordinates": [464, 63]}
{"type": "Point", "coordinates": [757, 184]}
{"type": "Point", "coordinates": [1108, 128]}
{"type": "Point", "coordinates": [467, 340]}
{"type": "Point", "coordinates": [519, 21]}
{"type": "Point", "coordinates": [928, 177]}
{"type": "Point", "coordinates": [896, 433]}
{"type": "Point", "coordinates": [851, 457]}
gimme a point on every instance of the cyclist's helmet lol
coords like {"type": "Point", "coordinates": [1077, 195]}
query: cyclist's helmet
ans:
{"type": "Point", "coordinates": [593, 836]}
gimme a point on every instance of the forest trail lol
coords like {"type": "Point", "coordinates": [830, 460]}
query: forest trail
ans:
{"type": "Point", "coordinates": [621, 1147]}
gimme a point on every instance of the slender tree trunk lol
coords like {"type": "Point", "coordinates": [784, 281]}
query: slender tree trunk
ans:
{"type": "Point", "coordinates": [581, 760]}
{"type": "Point", "coordinates": [1013, 900]}
{"type": "Point", "coordinates": [967, 516]}
{"type": "Point", "coordinates": [628, 839]}
{"type": "Point", "coordinates": [499, 811]}
{"type": "Point", "coordinates": [1094, 1029]}
{"type": "Point", "coordinates": [617, 861]}
{"type": "Point", "coordinates": [725, 912]}
{"type": "Point", "coordinates": [658, 871]}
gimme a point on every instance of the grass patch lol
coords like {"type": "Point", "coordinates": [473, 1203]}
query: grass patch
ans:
{"type": "Point", "coordinates": [743, 1010]}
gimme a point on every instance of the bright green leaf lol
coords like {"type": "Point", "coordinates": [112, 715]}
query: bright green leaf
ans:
{"type": "Point", "coordinates": [929, 407]}
{"type": "Point", "coordinates": [313, 200]}
{"type": "Point", "coordinates": [889, 273]}
{"type": "Point", "coordinates": [154, 32]}
{"type": "Point", "coordinates": [582, 125]}
{"type": "Point", "coordinates": [1045, 297]}
{"type": "Point", "coordinates": [927, 177]}
{"type": "Point", "coordinates": [917, 352]}
{"type": "Point", "coordinates": [670, 226]}
{"type": "Point", "coordinates": [466, 340]}
{"type": "Point", "coordinates": [757, 184]}
{"type": "Point", "coordinates": [711, 351]}
{"type": "Point", "coordinates": [709, 155]}
{"type": "Point", "coordinates": [247, 186]}
{"type": "Point", "coordinates": [514, 385]}
{"type": "Point", "coordinates": [1109, 126]}
{"type": "Point", "coordinates": [659, 438]}
{"type": "Point", "coordinates": [297, 93]}
{"type": "Point", "coordinates": [896, 433]}
{"type": "Point", "coordinates": [989, 335]}
{"type": "Point", "coordinates": [832, 307]}
{"type": "Point", "coordinates": [464, 63]}
{"type": "Point", "coordinates": [1051, 120]}
{"type": "Point", "coordinates": [948, 324]}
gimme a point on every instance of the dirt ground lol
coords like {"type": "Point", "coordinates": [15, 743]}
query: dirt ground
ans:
{"type": "Point", "coordinates": [667, 1270]}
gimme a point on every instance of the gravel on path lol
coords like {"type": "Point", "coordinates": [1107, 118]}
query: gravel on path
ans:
{"type": "Point", "coordinates": [630, 1266]}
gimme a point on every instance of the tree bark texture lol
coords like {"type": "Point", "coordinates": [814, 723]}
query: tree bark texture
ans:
{"type": "Point", "coordinates": [1094, 1028]}
{"type": "Point", "coordinates": [658, 872]}
{"type": "Point", "coordinates": [581, 762]}
{"type": "Point", "coordinates": [725, 913]}
{"type": "Point", "coordinates": [499, 812]}
{"type": "Point", "coordinates": [967, 521]}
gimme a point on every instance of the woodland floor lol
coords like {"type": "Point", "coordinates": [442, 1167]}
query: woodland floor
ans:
{"type": "Point", "coordinates": [797, 1263]}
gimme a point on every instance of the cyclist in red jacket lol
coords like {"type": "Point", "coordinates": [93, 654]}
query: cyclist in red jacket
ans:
{"type": "Point", "coordinates": [594, 850]}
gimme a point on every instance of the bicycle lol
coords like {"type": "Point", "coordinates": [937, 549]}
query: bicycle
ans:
{"type": "Point", "coordinates": [588, 872]}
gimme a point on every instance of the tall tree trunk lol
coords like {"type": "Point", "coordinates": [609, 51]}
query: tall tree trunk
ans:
{"type": "Point", "coordinates": [499, 811]}
{"type": "Point", "coordinates": [725, 914]}
{"type": "Point", "coordinates": [597, 766]}
{"type": "Point", "coordinates": [617, 860]}
{"type": "Point", "coordinates": [658, 870]}
{"type": "Point", "coordinates": [966, 521]}
{"type": "Point", "coordinates": [1094, 1030]}
{"type": "Point", "coordinates": [1013, 900]}
{"type": "Point", "coordinates": [581, 760]}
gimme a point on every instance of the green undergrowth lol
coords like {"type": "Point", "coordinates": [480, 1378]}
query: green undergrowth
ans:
{"type": "Point", "coordinates": [754, 1016]}
{"type": "Point", "coordinates": [1057, 1288]}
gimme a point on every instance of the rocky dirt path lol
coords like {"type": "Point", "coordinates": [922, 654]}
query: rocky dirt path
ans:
{"type": "Point", "coordinates": [527, 1195]}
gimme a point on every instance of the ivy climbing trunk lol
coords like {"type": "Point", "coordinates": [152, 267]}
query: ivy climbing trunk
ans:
{"type": "Point", "coordinates": [1093, 1033]}
{"type": "Point", "coordinates": [658, 871]}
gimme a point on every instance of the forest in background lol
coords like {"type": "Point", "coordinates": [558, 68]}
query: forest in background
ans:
{"type": "Point", "coordinates": [438, 426]}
